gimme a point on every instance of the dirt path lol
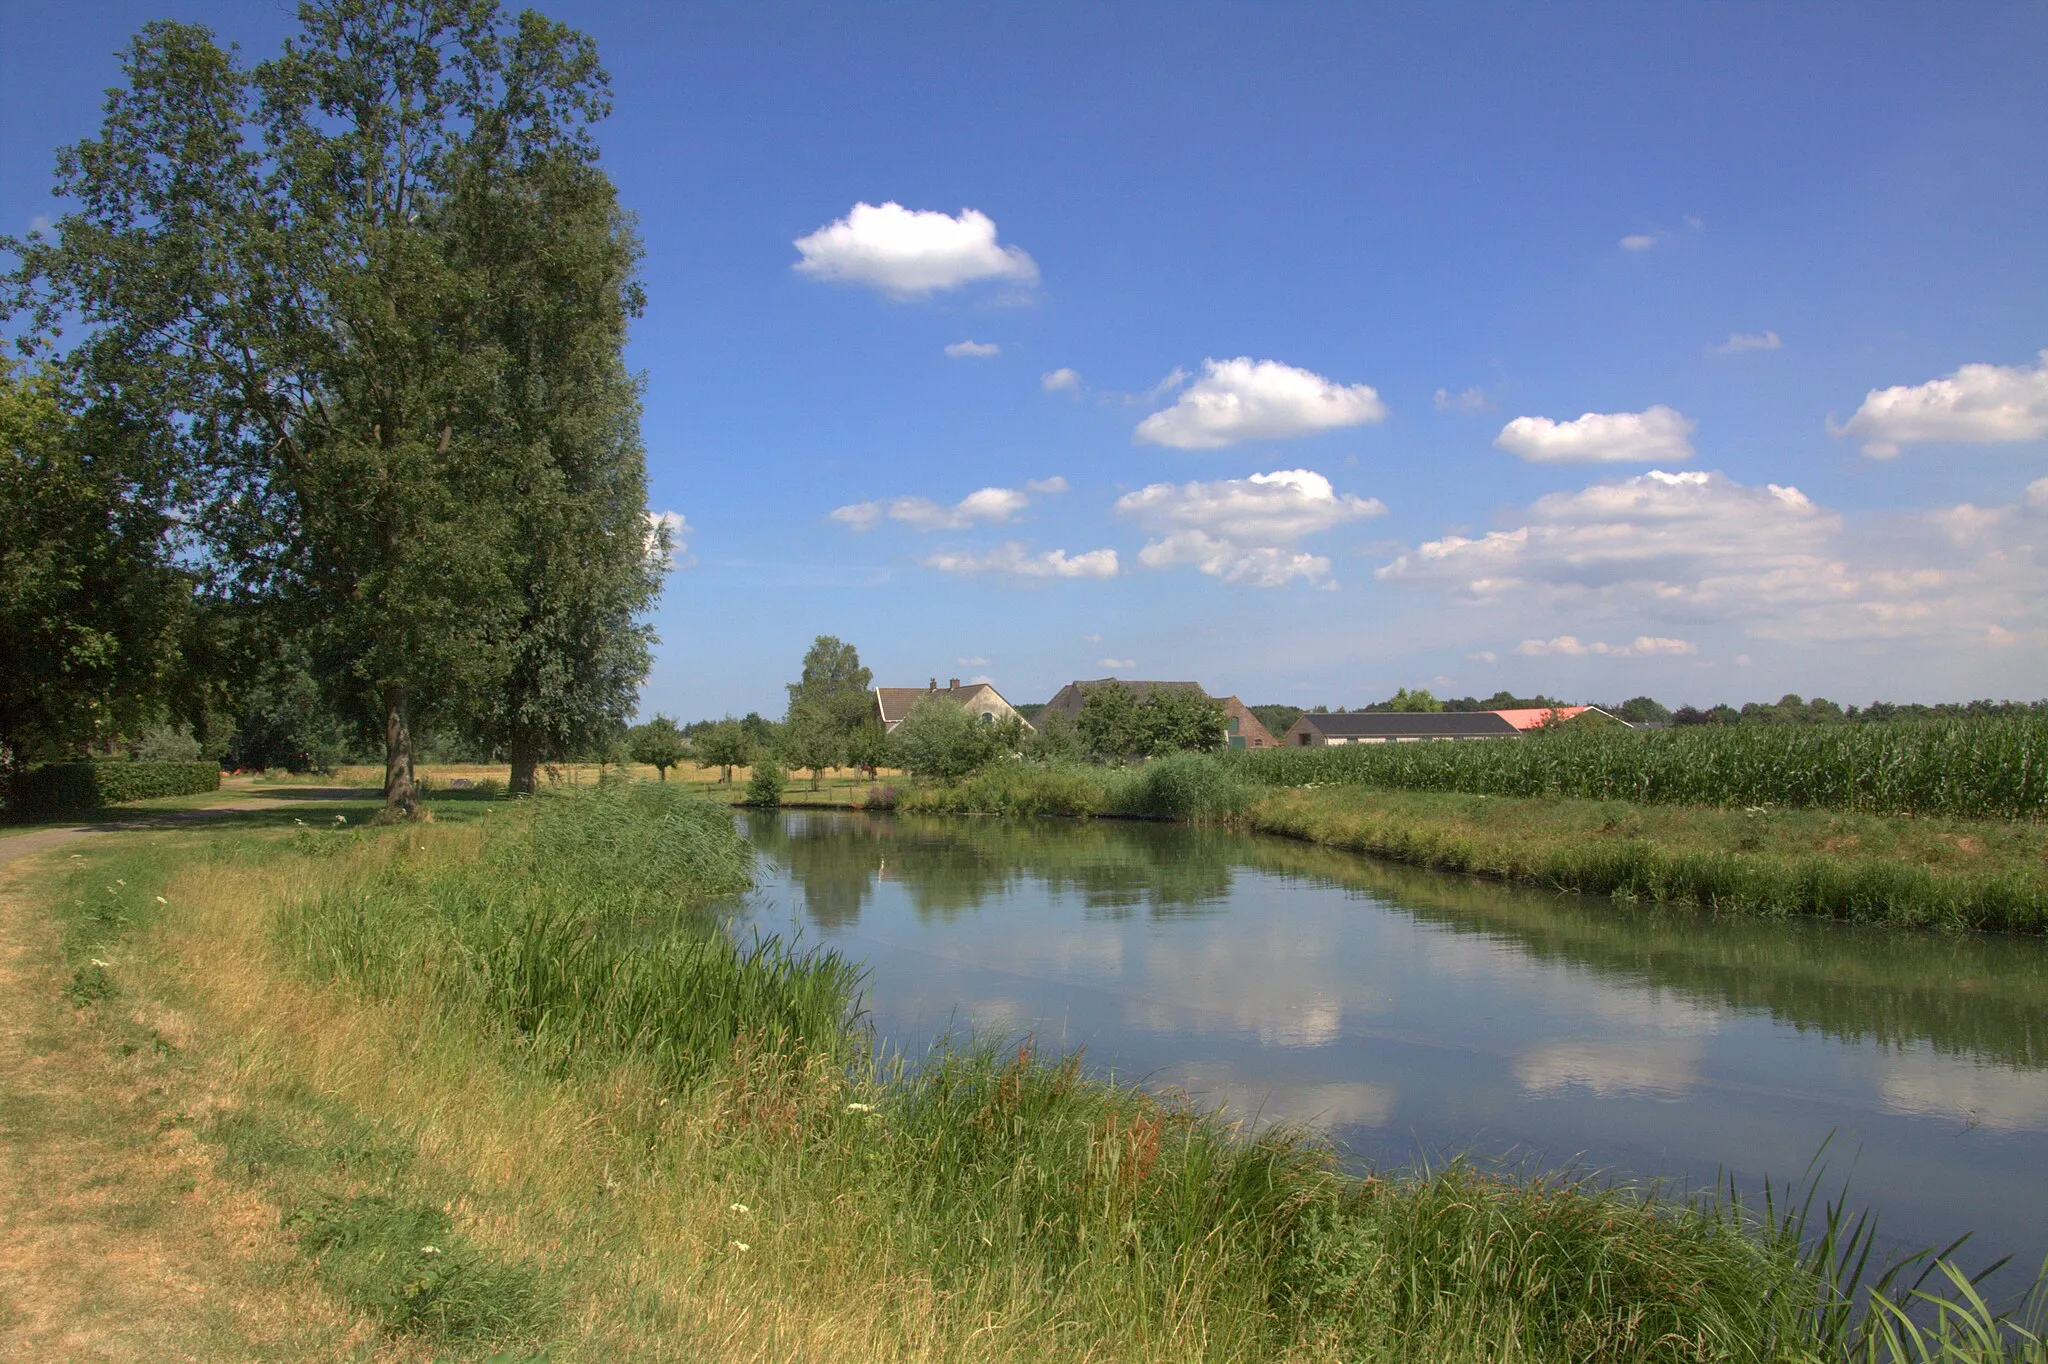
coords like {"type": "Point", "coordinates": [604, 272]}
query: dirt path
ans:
{"type": "Point", "coordinates": [118, 1240]}
{"type": "Point", "coordinates": [21, 845]}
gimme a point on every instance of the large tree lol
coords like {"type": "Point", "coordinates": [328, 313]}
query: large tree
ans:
{"type": "Point", "coordinates": [302, 273]}
{"type": "Point", "coordinates": [91, 605]}
{"type": "Point", "coordinates": [834, 686]}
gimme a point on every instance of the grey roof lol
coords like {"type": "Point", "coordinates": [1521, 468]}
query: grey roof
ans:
{"type": "Point", "coordinates": [1382, 724]}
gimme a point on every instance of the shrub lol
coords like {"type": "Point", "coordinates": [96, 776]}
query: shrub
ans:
{"type": "Point", "coordinates": [77, 787]}
{"type": "Point", "coordinates": [764, 787]}
{"type": "Point", "coordinates": [1186, 786]}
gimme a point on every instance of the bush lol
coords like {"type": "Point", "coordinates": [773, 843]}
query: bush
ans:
{"type": "Point", "coordinates": [764, 788]}
{"type": "Point", "coordinates": [78, 787]}
{"type": "Point", "coordinates": [940, 740]}
{"type": "Point", "coordinates": [1187, 786]}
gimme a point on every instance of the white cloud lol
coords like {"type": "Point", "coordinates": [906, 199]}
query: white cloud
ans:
{"type": "Point", "coordinates": [2037, 494]}
{"type": "Point", "coordinates": [993, 505]}
{"type": "Point", "coordinates": [911, 253]}
{"type": "Point", "coordinates": [1471, 400]}
{"type": "Point", "coordinates": [674, 526]}
{"type": "Point", "coordinates": [1116, 662]}
{"type": "Point", "coordinates": [1013, 560]}
{"type": "Point", "coordinates": [1742, 341]}
{"type": "Point", "coordinates": [1055, 484]}
{"type": "Point", "coordinates": [976, 662]}
{"type": "Point", "coordinates": [1244, 530]}
{"type": "Point", "coordinates": [1060, 380]}
{"type": "Point", "coordinates": [1638, 241]}
{"type": "Point", "coordinates": [971, 349]}
{"type": "Point", "coordinates": [1244, 399]}
{"type": "Point", "coordinates": [1977, 405]}
{"type": "Point", "coordinates": [1668, 556]}
{"type": "Point", "coordinates": [1569, 646]}
{"type": "Point", "coordinates": [1656, 436]}
{"type": "Point", "coordinates": [1091, 639]}
{"type": "Point", "coordinates": [1484, 656]}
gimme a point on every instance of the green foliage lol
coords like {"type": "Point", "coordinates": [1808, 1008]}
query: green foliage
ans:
{"type": "Point", "coordinates": [725, 744]}
{"type": "Point", "coordinates": [1115, 724]}
{"type": "Point", "coordinates": [167, 743]}
{"type": "Point", "coordinates": [1420, 701]}
{"type": "Point", "coordinates": [659, 744]}
{"type": "Point", "coordinates": [1639, 710]}
{"type": "Point", "coordinates": [765, 784]}
{"type": "Point", "coordinates": [942, 740]}
{"type": "Point", "coordinates": [1277, 719]}
{"type": "Point", "coordinates": [835, 691]}
{"type": "Point", "coordinates": [867, 747]}
{"type": "Point", "coordinates": [90, 604]}
{"type": "Point", "coordinates": [1187, 786]}
{"type": "Point", "coordinates": [1055, 738]}
{"type": "Point", "coordinates": [811, 740]}
{"type": "Point", "coordinates": [78, 787]}
{"type": "Point", "coordinates": [1965, 768]}
{"type": "Point", "coordinates": [408, 1267]}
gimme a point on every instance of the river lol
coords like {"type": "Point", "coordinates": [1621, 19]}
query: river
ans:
{"type": "Point", "coordinates": [1415, 1016]}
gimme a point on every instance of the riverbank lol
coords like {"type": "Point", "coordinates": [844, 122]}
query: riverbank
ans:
{"type": "Point", "coordinates": [499, 1095]}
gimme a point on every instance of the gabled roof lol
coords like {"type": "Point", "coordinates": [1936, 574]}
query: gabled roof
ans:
{"type": "Point", "coordinates": [1075, 694]}
{"type": "Point", "coordinates": [897, 701]}
{"type": "Point", "coordinates": [1386, 724]}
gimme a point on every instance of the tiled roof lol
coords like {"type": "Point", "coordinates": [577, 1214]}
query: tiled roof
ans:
{"type": "Point", "coordinates": [1382, 724]}
{"type": "Point", "coordinates": [1540, 716]}
{"type": "Point", "coordinates": [897, 701]}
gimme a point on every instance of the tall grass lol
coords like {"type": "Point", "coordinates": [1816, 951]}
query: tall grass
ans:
{"type": "Point", "coordinates": [1973, 768]}
{"type": "Point", "coordinates": [1032, 1200]}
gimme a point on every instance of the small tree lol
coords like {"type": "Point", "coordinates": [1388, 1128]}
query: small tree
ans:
{"type": "Point", "coordinates": [942, 740]}
{"type": "Point", "coordinates": [764, 787]}
{"type": "Point", "coordinates": [726, 745]}
{"type": "Point", "coordinates": [1111, 723]}
{"type": "Point", "coordinates": [868, 748]}
{"type": "Point", "coordinates": [1184, 720]}
{"type": "Point", "coordinates": [659, 744]}
{"type": "Point", "coordinates": [811, 741]}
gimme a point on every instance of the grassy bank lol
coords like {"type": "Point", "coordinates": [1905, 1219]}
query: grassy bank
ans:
{"type": "Point", "coordinates": [1905, 872]}
{"type": "Point", "coordinates": [506, 1087]}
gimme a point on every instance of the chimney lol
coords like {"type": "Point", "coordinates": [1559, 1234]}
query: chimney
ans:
{"type": "Point", "coordinates": [952, 684]}
{"type": "Point", "coordinates": [935, 684]}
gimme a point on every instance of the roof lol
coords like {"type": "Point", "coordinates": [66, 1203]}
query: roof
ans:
{"type": "Point", "coordinates": [1390, 724]}
{"type": "Point", "coordinates": [895, 702]}
{"type": "Point", "coordinates": [1539, 716]}
{"type": "Point", "coordinates": [1075, 694]}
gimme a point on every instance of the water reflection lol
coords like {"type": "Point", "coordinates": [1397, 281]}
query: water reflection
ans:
{"type": "Point", "coordinates": [1406, 1012]}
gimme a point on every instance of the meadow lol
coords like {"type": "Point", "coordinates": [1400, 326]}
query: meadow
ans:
{"type": "Point", "coordinates": [507, 1084]}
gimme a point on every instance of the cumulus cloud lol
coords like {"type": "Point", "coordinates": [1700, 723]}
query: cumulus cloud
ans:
{"type": "Point", "coordinates": [975, 662]}
{"type": "Point", "coordinates": [1483, 656]}
{"type": "Point", "coordinates": [1244, 399]}
{"type": "Point", "coordinates": [1673, 554]}
{"type": "Point", "coordinates": [911, 253]}
{"type": "Point", "coordinates": [2037, 494]}
{"type": "Point", "coordinates": [1638, 241]}
{"type": "Point", "coordinates": [1569, 646]}
{"type": "Point", "coordinates": [1470, 400]}
{"type": "Point", "coordinates": [1012, 560]}
{"type": "Point", "coordinates": [1977, 405]}
{"type": "Point", "coordinates": [1742, 341]}
{"type": "Point", "coordinates": [992, 505]}
{"type": "Point", "coordinates": [1244, 530]}
{"type": "Point", "coordinates": [1060, 380]}
{"type": "Point", "coordinates": [1659, 435]}
{"type": "Point", "coordinates": [971, 349]}
{"type": "Point", "coordinates": [1116, 662]}
{"type": "Point", "coordinates": [672, 527]}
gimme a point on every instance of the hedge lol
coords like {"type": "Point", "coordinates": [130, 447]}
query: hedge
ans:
{"type": "Point", "coordinates": [73, 788]}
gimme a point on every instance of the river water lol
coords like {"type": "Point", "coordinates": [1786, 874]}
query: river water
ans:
{"type": "Point", "coordinates": [1414, 1016]}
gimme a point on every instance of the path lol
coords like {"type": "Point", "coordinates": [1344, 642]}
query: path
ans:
{"type": "Point", "coordinates": [21, 845]}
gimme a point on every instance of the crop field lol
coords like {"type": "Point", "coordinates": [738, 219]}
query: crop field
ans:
{"type": "Point", "coordinates": [1976, 769]}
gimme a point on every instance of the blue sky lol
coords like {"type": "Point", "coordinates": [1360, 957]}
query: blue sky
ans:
{"type": "Point", "coordinates": [1395, 255]}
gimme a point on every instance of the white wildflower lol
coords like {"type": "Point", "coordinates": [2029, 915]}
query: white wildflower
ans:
{"type": "Point", "coordinates": [161, 900]}
{"type": "Point", "coordinates": [740, 1246]}
{"type": "Point", "coordinates": [739, 1207]}
{"type": "Point", "coordinates": [860, 1108]}
{"type": "Point", "coordinates": [430, 1250]}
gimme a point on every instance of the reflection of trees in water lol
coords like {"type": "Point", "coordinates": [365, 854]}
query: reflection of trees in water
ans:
{"type": "Point", "coordinates": [1984, 997]}
{"type": "Point", "coordinates": [1973, 995]}
{"type": "Point", "coordinates": [952, 866]}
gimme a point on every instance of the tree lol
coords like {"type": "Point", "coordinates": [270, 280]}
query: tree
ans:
{"type": "Point", "coordinates": [811, 741]}
{"type": "Point", "coordinates": [1639, 710]}
{"type": "Point", "coordinates": [834, 687]}
{"type": "Point", "coordinates": [283, 278]}
{"type": "Point", "coordinates": [942, 740]}
{"type": "Point", "coordinates": [1183, 720]}
{"type": "Point", "coordinates": [1111, 725]}
{"type": "Point", "coordinates": [659, 744]}
{"type": "Point", "coordinates": [726, 745]}
{"type": "Point", "coordinates": [1413, 702]}
{"type": "Point", "coordinates": [868, 748]}
{"type": "Point", "coordinates": [90, 604]}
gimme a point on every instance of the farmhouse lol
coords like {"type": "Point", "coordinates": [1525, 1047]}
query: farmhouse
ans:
{"type": "Point", "coordinates": [893, 703]}
{"type": "Point", "coordinates": [1245, 730]}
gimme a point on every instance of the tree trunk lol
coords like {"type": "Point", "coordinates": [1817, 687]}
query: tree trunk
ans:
{"type": "Point", "coordinates": [525, 763]}
{"type": "Point", "coordinates": [399, 794]}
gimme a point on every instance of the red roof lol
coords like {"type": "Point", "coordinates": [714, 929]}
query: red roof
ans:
{"type": "Point", "coordinates": [1540, 716]}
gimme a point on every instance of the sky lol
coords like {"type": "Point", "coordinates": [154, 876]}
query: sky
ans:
{"type": "Point", "coordinates": [1312, 351]}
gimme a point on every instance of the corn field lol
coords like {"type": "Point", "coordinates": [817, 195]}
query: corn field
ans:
{"type": "Point", "coordinates": [1975, 768]}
